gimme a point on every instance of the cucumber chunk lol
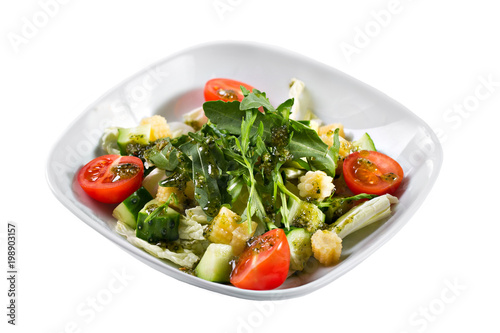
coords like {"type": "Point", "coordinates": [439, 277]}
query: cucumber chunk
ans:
{"type": "Point", "coordinates": [157, 223]}
{"type": "Point", "coordinates": [299, 241]}
{"type": "Point", "coordinates": [136, 135]}
{"type": "Point", "coordinates": [148, 208]}
{"type": "Point", "coordinates": [305, 215]}
{"type": "Point", "coordinates": [128, 210]}
{"type": "Point", "coordinates": [215, 265]}
{"type": "Point", "coordinates": [364, 143]}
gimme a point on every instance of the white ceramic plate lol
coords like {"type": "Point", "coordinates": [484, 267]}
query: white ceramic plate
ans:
{"type": "Point", "coordinates": [174, 86]}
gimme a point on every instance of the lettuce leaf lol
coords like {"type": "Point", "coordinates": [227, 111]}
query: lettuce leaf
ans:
{"type": "Point", "coordinates": [362, 215]}
{"type": "Point", "coordinates": [190, 229]}
{"type": "Point", "coordinates": [197, 214]}
{"type": "Point", "coordinates": [182, 257]}
{"type": "Point", "coordinates": [109, 141]}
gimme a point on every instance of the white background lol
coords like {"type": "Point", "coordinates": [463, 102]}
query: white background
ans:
{"type": "Point", "coordinates": [429, 55]}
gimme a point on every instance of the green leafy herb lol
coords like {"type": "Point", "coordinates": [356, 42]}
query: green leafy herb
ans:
{"type": "Point", "coordinates": [228, 117]}
{"type": "Point", "coordinates": [254, 205]}
{"type": "Point", "coordinates": [254, 100]}
{"type": "Point", "coordinates": [306, 143]}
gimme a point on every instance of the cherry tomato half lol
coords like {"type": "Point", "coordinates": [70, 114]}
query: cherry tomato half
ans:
{"type": "Point", "coordinates": [111, 178]}
{"type": "Point", "coordinates": [226, 90]}
{"type": "Point", "coordinates": [264, 264]}
{"type": "Point", "coordinates": [372, 172]}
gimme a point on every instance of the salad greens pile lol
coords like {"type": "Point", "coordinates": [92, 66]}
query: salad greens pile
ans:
{"type": "Point", "coordinates": [241, 152]}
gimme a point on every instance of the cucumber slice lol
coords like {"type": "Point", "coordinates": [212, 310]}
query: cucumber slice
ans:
{"type": "Point", "coordinates": [128, 210]}
{"type": "Point", "coordinates": [215, 265]}
{"type": "Point", "coordinates": [136, 135]}
{"type": "Point", "coordinates": [163, 226]}
{"type": "Point", "coordinates": [364, 143]}
{"type": "Point", "coordinates": [299, 241]}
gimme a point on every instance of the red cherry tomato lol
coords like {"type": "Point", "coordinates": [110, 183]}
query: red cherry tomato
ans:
{"type": "Point", "coordinates": [226, 90]}
{"type": "Point", "coordinates": [264, 264]}
{"type": "Point", "coordinates": [372, 172]}
{"type": "Point", "coordinates": [111, 178]}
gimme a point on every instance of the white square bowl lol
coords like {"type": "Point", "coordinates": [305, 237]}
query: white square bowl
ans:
{"type": "Point", "coordinates": [174, 86]}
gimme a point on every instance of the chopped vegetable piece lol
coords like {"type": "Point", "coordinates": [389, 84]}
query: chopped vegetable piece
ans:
{"type": "Point", "coordinates": [372, 172]}
{"type": "Point", "coordinates": [300, 248]}
{"type": "Point", "coordinates": [264, 264]}
{"type": "Point", "coordinates": [305, 215]}
{"type": "Point", "coordinates": [139, 135]}
{"type": "Point", "coordinates": [362, 215]}
{"type": "Point", "coordinates": [215, 264]}
{"type": "Point", "coordinates": [128, 210]}
{"type": "Point", "coordinates": [364, 143]}
{"type": "Point", "coordinates": [157, 222]}
{"type": "Point", "coordinates": [226, 90]}
{"type": "Point", "coordinates": [111, 178]}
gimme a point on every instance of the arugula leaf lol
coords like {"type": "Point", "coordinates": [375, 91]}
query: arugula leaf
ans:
{"type": "Point", "coordinates": [245, 91]}
{"type": "Point", "coordinates": [306, 143]}
{"type": "Point", "coordinates": [278, 183]}
{"type": "Point", "coordinates": [254, 204]}
{"type": "Point", "coordinates": [329, 201]}
{"type": "Point", "coordinates": [206, 187]}
{"type": "Point", "coordinates": [205, 176]}
{"type": "Point", "coordinates": [234, 187]}
{"type": "Point", "coordinates": [335, 148]}
{"type": "Point", "coordinates": [246, 127]}
{"type": "Point", "coordinates": [166, 155]}
{"type": "Point", "coordinates": [216, 153]}
{"type": "Point", "coordinates": [285, 108]}
{"type": "Point", "coordinates": [255, 100]}
{"type": "Point", "coordinates": [175, 179]}
{"type": "Point", "coordinates": [228, 117]}
{"type": "Point", "coordinates": [163, 155]}
{"type": "Point", "coordinates": [260, 146]}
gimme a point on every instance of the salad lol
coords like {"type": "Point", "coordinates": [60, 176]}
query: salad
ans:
{"type": "Point", "coordinates": [242, 192]}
